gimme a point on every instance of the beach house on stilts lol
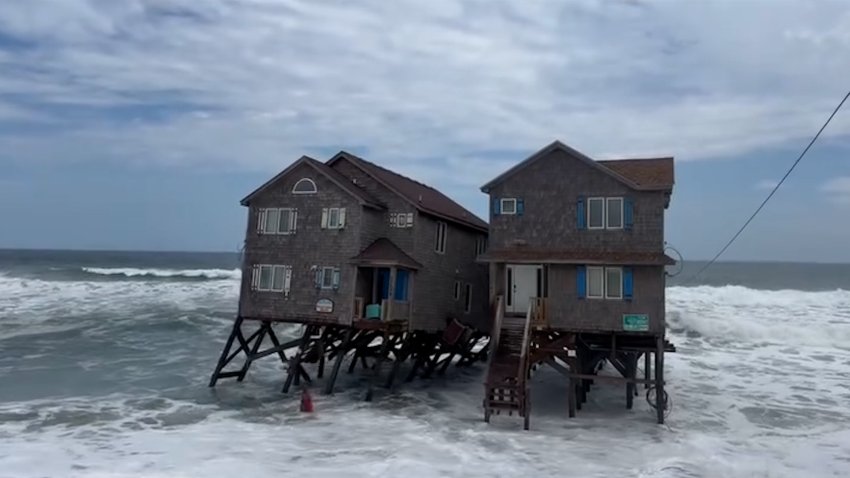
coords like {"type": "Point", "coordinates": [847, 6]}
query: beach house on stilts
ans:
{"type": "Point", "coordinates": [377, 267]}
{"type": "Point", "coordinates": [577, 275]}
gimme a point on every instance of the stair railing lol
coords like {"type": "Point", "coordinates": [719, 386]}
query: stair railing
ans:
{"type": "Point", "coordinates": [526, 344]}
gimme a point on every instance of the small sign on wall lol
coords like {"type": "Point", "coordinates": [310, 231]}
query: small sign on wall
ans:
{"type": "Point", "coordinates": [325, 306]}
{"type": "Point", "coordinates": [636, 322]}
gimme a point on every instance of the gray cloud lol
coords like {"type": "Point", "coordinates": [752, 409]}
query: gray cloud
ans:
{"type": "Point", "coordinates": [422, 86]}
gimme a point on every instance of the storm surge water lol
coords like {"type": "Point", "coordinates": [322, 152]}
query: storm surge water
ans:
{"type": "Point", "coordinates": [105, 358]}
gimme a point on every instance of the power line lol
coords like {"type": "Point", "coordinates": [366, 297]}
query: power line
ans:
{"type": "Point", "coordinates": [775, 188]}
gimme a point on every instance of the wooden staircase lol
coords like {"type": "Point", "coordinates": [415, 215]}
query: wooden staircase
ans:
{"type": "Point", "coordinates": [506, 388]}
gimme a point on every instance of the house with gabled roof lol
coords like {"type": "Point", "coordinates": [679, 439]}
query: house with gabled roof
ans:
{"type": "Point", "coordinates": [577, 269]}
{"type": "Point", "coordinates": [347, 244]}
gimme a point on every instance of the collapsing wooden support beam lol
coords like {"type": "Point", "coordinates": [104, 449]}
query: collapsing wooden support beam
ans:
{"type": "Point", "coordinates": [340, 356]}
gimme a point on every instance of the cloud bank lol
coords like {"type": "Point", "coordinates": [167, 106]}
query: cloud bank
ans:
{"type": "Point", "coordinates": [417, 86]}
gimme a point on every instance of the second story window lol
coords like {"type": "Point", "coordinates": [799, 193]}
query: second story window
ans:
{"type": "Point", "coordinates": [605, 213]}
{"type": "Point", "coordinates": [480, 245]}
{"type": "Point", "coordinates": [401, 219]}
{"type": "Point", "coordinates": [277, 221]}
{"type": "Point", "coordinates": [508, 206]}
{"type": "Point", "coordinates": [440, 242]}
{"type": "Point", "coordinates": [304, 186]}
{"type": "Point", "coordinates": [333, 218]}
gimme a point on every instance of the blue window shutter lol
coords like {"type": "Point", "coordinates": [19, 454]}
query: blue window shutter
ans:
{"type": "Point", "coordinates": [497, 206]}
{"type": "Point", "coordinates": [628, 213]}
{"type": "Point", "coordinates": [520, 207]}
{"type": "Point", "coordinates": [401, 284]}
{"type": "Point", "coordinates": [628, 283]}
{"type": "Point", "coordinates": [384, 276]}
{"type": "Point", "coordinates": [581, 216]}
{"type": "Point", "coordinates": [581, 281]}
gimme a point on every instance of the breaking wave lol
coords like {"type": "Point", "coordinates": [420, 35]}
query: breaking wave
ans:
{"type": "Point", "coordinates": [165, 273]}
{"type": "Point", "coordinates": [744, 315]}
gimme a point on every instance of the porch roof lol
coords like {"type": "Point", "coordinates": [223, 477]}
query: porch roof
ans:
{"type": "Point", "coordinates": [550, 256]}
{"type": "Point", "coordinates": [384, 253]}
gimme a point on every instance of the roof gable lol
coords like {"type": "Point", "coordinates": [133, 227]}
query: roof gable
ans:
{"type": "Point", "coordinates": [362, 196]}
{"type": "Point", "coordinates": [639, 174]}
{"type": "Point", "coordinates": [425, 198]}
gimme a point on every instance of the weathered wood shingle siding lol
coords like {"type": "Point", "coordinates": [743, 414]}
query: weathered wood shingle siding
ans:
{"type": "Point", "coordinates": [309, 246]}
{"type": "Point", "coordinates": [434, 291]}
{"type": "Point", "coordinates": [550, 188]}
{"type": "Point", "coordinates": [567, 310]}
{"type": "Point", "coordinates": [402, 237]}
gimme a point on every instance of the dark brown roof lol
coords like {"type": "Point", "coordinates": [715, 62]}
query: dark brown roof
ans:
{"type": "Point", "coordinates": [424, 197]}
{"type": "Point", "coordinates": [340, 180]}
{"type": "Point", "coordinates": [655, 173]}
{"type": "Point", "coordinates": [383, 252]}
{"type": "Point", "coordinates": [538, 256]}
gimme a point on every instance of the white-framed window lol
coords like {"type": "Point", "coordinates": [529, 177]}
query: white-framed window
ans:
{"type": "Point", "coordinates": [401, 219]}
{"type": "Point", "coordinates": [480, 245]}
{"type": "Point", "coordinates": [457, 290]}
{"type": "Point", "coordinates": [595, 282]}
{"type": "Point", "coordinates": [605, 213]}
{"type": "Point", "coordinates": [333, 218]}
{"type": "Point", "coordinates": [272, 278]}
{"type": "Point", "coordinates": [508, 206]}
{"type": "Point", "coordinates": [304, 186]}
{"type": "Point", "coordinates": [327, 277]}
{"type": "Point", "coordinates": [605, 282]}
{"type": "Point", "coordinates": [277, 221]}
{"type": "Point", "coordinates": [596, 213]}
{"type": "Point", "coordinates": [614, 213]}
{"type": "Point", "coordinates": [613, 283]}
{"type": "Point", "coordinates": [467, 307]}
{"type": "Point", "coordinates": [440, 240]}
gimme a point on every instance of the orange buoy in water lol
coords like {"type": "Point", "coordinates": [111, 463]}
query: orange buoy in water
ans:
{"type": "Point", "coordinates": [306, 401]}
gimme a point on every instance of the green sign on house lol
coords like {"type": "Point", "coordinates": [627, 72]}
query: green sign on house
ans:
{"type": "Point", "coordinates": [636, 322]}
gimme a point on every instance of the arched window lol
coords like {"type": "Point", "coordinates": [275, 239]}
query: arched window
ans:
{"type": "Point", "coordinates": [304, 186]}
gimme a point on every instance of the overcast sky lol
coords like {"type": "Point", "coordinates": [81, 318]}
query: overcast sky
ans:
{"type": "Point", "coordinates": [139, 124]}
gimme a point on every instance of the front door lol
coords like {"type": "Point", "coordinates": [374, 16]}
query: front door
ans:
{"type": "Point", "coordinates": [523, 284]}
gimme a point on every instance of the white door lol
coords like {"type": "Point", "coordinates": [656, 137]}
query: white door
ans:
{"type": "Point", "coordinates": [522, 285]}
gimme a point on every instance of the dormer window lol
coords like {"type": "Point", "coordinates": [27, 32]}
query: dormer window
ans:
{"type": "Point", "coordinates": [304, 186]}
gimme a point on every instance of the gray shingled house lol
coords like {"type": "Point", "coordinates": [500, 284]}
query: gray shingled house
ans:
{"type": "Point", "coordinates": [349, 244]}
{"type": "Point", "coordinates": [576, 247]}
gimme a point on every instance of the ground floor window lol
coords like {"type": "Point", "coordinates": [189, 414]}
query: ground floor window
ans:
{"type": "Point", "coordinates": [605, 282]}
{"type": "Point", "coordinates": [272, 278]}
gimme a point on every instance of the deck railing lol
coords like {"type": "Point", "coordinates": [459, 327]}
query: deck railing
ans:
{"type": "Point", "coordinates": [359, 307]}
{"type": "Point", "coordinates": [539, 312]}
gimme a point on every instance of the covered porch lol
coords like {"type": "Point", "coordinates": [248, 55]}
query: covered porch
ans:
{"type": "Point", "coordinates": [384, 282]}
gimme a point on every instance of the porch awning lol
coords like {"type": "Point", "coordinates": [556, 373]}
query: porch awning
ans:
{"type": "Point", "coordinates": [547, 256]}
{"type": "Point", "coordinates": [384, 253]}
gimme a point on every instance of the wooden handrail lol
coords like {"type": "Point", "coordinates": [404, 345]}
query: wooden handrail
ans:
{"type": "Point", "coordinates": [526, 343]}
{"type": "Point", "coordinates": [540, 316]}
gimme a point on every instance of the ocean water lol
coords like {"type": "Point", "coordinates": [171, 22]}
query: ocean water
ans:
{"type": "Point", "coordinates": [105, 358]}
